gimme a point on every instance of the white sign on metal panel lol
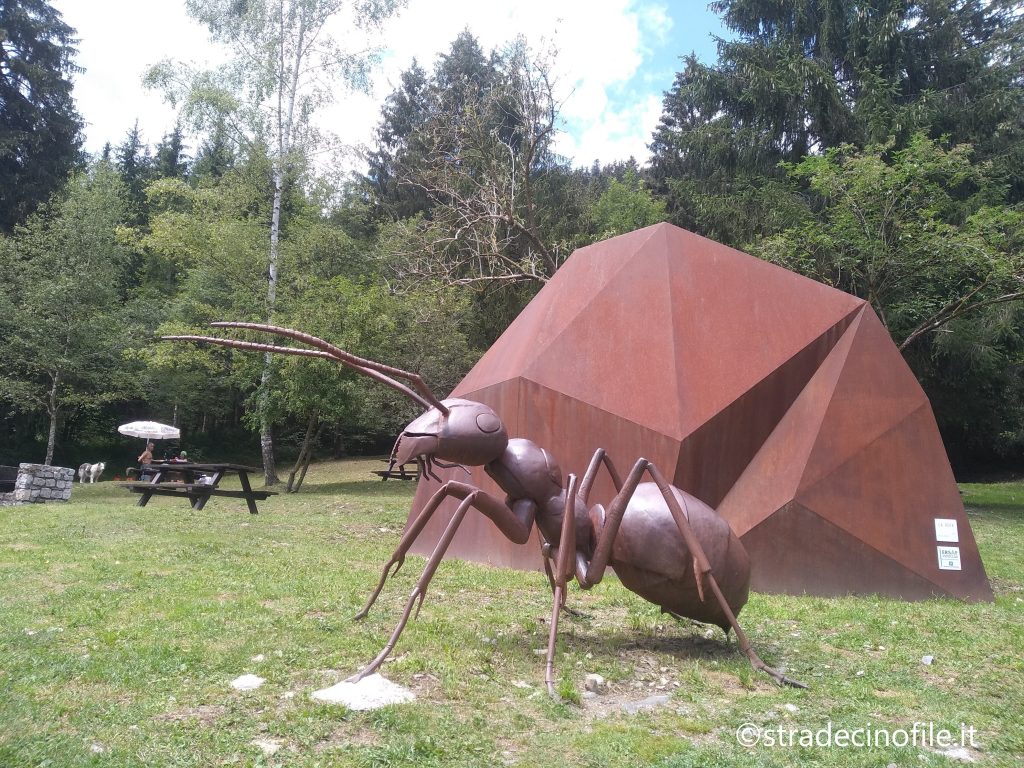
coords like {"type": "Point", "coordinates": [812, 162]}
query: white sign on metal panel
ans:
{"type": "Point", "coordinates": [949, 558]}
{"type": "Point", "coordinates": [945, 530]}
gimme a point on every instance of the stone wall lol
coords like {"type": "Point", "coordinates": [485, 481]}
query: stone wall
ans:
{"type": "Point", "coordinates": [39, 483]}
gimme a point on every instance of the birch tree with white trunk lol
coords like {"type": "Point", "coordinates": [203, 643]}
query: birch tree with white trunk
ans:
{"type": "Point", "coordinates": [286, 59]}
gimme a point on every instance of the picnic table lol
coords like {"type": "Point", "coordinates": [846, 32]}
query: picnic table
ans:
{"type": "Point", "coordinates": [195, 482]}
{"type": "Point", "coordinates": [397, 474]}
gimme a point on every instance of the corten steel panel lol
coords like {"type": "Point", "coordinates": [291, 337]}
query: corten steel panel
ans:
{"type": "Point", "coordinates": [762, 392]}
{"type": "Point", "coordinates": [712, 458]}
{"type": "Point", "coordinates": [814, 546]}
{"type": "Point", "coordinates": [868, 462]}
{"type": "Point", "coordinates": [546, 316]}
{"type": "Point", "coordinates": [771, 479]}
{"type": "Point", "coordinates": [874, 392]}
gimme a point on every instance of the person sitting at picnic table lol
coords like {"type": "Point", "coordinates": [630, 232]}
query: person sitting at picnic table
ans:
{"type": "Point", "coordinates": [145, 458]}
{"type": "Point", "coordinates": [181, 457]}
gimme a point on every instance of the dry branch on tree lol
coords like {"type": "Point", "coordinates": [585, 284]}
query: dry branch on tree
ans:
{"type": "Point", "coordinates": [485, 149]}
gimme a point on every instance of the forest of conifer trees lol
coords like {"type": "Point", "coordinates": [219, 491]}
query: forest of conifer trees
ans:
{"type": "Point", "coordinates": [877, 147]}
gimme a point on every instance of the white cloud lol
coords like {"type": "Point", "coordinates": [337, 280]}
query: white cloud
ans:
{"type": "Point", "coordinates": [602, 46]}
{"type": "Point", "coordinates": [616, 134]}
{"type": "Point", "coordinates": [117, 44]}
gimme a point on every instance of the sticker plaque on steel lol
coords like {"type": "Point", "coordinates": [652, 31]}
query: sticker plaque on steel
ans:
{"type": "Point", "coordinates": [945, 530]}
{"type": "Point", "coordinates": [949, 558]}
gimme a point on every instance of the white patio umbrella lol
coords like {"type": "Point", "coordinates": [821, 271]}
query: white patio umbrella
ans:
{"type": "Point", "coordinates": [151, 430]}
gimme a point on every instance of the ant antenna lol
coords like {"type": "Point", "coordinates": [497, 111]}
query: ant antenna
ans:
{"type": "Point", "coordinates": [420, 392]}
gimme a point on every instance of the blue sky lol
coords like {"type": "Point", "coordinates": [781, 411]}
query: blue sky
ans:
{"type": "Point", "coordinates": [668, 31]}
{"type": "Point", "coordinates": [616, 59]}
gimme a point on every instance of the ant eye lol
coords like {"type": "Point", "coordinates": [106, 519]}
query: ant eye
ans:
{"type": "Point", "coordinates": [488, 422]}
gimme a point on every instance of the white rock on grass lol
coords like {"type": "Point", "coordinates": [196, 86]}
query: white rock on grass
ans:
{"type": "Point", "coordinates": [247, 683]}
{"type": "Point", "coordinates": [268, 746]}
{"type": "Point", "coordinates": [371, 692]}
{"type": "Point", "coordinates": [959, 753]}
{"type": "Point", "coordinates": [596, 684]}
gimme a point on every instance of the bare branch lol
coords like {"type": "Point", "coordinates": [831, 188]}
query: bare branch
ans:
{"type": "Point", "coordinates": [479, 156]}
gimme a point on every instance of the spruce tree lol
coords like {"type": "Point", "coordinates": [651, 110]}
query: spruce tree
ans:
{"type": "Point", "coordinates": [802, 76]}
{"type": "Point", "coordinates": [170, 161]}
{"type": "Point", "coordinates": [39, 125]}
{"type": "Point", "coordinates": [215, 156]}
{"type": "Point", "coordinates": [134, 163]}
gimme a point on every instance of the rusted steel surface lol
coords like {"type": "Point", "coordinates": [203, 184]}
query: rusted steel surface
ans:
{"type": "Point", "coordinates": [778, 401]}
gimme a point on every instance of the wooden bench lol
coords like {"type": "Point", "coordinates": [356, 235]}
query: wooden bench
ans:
{"type": "Point", "coordinates": [197, 493]}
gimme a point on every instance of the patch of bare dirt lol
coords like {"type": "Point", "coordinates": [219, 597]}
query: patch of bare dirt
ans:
{"type": "Point", "coordinates": [206, 714]}
{"type": "Point", "coordinates": [348, 734]}
{"type": "Point", "coordinates": [888, 694]}
{"type": "Point", "coordinates": [426, 687]}
{"type": "Point", "coordinates": [944, 679]}
{"type": "Point", "coordinates": [653, 680]}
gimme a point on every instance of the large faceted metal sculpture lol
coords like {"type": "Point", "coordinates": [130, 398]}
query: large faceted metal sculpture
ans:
{"type": "Point", "coordinates": [777, 400]}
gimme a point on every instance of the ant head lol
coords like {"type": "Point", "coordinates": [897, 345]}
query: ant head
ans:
{"type": "Point", "coordinates": [470, 433]}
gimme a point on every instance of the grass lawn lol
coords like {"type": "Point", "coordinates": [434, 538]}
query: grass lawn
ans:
{"type": "Point", "coordinates": [121, 629]}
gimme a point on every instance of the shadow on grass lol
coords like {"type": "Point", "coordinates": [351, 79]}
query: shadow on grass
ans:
{"type": "Point", "coordinates": [1008, 511]}
{"type": "Point", "coordinates": [677, 640]}
{"type": "Point", "coordinates": [361, 489]}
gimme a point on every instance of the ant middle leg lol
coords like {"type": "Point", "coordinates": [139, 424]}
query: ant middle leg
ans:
{"type": "Point", "coordinates": [576, 614]}
{"type": "Point", "coordinates": [600, 457]}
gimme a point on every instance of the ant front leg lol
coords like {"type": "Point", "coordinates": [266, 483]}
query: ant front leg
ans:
{"type": "Point", "coordinates": [564, 571]}
{"type": "Point", "coordinates": [516, 529]}
{"type": "Point", "coordinates": [516, 524]}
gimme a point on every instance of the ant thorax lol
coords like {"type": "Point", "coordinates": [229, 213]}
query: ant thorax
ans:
{"type": "Point", "coordinates": [527, 471]}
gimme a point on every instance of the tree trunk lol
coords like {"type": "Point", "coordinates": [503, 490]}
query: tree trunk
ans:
{"type": "Point", "coordinates": [311, 429]}
{"type": "Point", "coordinates": [51, 409]}
{"type": "Point", "coordinates": [309, 457]}
{"type": "Point", "coordinates": [266, 431]}
{"type": "Point", "coordinates": [285, 123]}
{"type": "Point", "coordinates": [305, 465]}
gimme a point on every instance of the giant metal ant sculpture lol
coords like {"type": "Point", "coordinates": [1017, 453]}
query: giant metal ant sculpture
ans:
{"type": "Point", "coordinates": [665, 545]}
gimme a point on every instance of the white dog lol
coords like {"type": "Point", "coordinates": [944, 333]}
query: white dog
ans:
{"type": "Point", "coordinates": [91, 471]}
